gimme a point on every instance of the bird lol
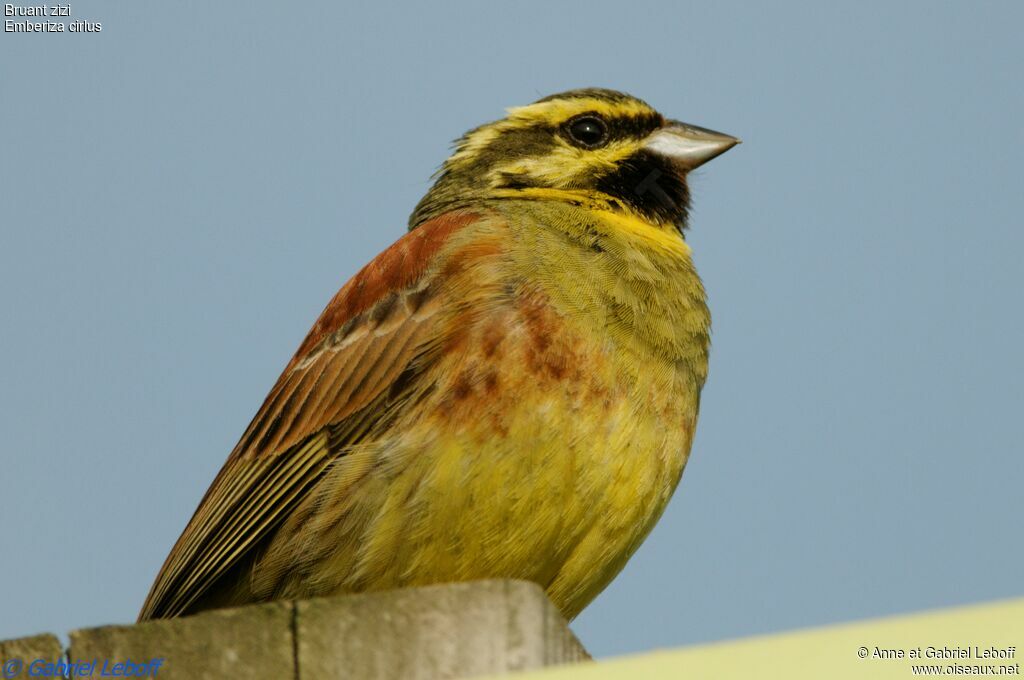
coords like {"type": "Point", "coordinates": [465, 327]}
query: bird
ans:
{"type": "Point", "coordinates": [510, 390]}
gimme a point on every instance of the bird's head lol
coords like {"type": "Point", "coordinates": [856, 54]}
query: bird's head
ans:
{"type": "Point", "coordinates": [592, 144]}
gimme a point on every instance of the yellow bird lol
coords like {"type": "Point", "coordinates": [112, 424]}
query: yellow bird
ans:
{"type": "Point", "coordinates": [510, 390]}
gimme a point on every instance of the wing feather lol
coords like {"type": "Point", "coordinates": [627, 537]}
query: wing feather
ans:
{"type": "Point", "coordinates": [357, 362]}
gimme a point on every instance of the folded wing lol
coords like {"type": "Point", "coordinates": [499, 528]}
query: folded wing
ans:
{"type": "Point", "coordinates": [360, 364]}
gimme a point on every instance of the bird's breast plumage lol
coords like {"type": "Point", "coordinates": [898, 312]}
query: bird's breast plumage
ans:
{"type": "Point", "coordinates": [559, 418]}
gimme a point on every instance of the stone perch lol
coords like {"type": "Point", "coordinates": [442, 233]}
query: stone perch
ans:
{"type": "Point", "coordinates": [458, 630]}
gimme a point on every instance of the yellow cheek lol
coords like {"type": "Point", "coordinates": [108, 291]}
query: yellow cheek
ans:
{"type": "Point", "coordinates": [563, 166]}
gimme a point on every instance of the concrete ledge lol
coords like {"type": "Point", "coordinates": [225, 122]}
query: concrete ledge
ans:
{"type": "Point", "coordinates": [458, 630]}
{"type": "Point", "coordinates": [249, 642]}
{"type": "Point", "coordinates": [452, 631]}
{"type": "Point", "coordinates": [23, 651]}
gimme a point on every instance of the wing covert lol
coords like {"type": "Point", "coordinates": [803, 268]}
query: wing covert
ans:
{"type": "Point", "coordinates": [363, 356]}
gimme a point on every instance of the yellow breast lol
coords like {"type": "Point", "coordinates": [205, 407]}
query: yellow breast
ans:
{"type": "Point", "coordinates": [559, 428]}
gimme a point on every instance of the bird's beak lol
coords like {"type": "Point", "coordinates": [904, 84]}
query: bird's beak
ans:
{"type": "Point", "coordinates": [688, 146]}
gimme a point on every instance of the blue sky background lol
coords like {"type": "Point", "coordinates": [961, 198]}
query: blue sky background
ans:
{"type": "Point", "coordinates": [183, 192]}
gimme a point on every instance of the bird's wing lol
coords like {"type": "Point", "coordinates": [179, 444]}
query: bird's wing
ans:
{"type": "Point", "coordinates": [361, 358]}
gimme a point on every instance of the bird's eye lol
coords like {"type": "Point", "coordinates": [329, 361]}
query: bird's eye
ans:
{"type": "Point", "coordinates": [587, 131]}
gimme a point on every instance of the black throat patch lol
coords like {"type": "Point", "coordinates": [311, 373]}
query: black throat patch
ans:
{"type": "Point", "coordinates": [650, 185]}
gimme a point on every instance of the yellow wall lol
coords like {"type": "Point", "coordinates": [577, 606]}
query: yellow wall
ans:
{"type": "Point", "coordinates": [833, 652]}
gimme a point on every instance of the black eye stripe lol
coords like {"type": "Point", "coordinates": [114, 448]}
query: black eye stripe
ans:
{"type": "Point", "coordinates": [639, 125]}
{"type": "Point", "coordinates": [635, 126]}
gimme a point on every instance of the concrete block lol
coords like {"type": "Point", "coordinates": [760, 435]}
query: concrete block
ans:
{"type": "Point", "coordinates": [458, 630]}
{"type": "Point", "coordinates": [16, 656]}
{"type": "Point", "coordinates": [249, 642]}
